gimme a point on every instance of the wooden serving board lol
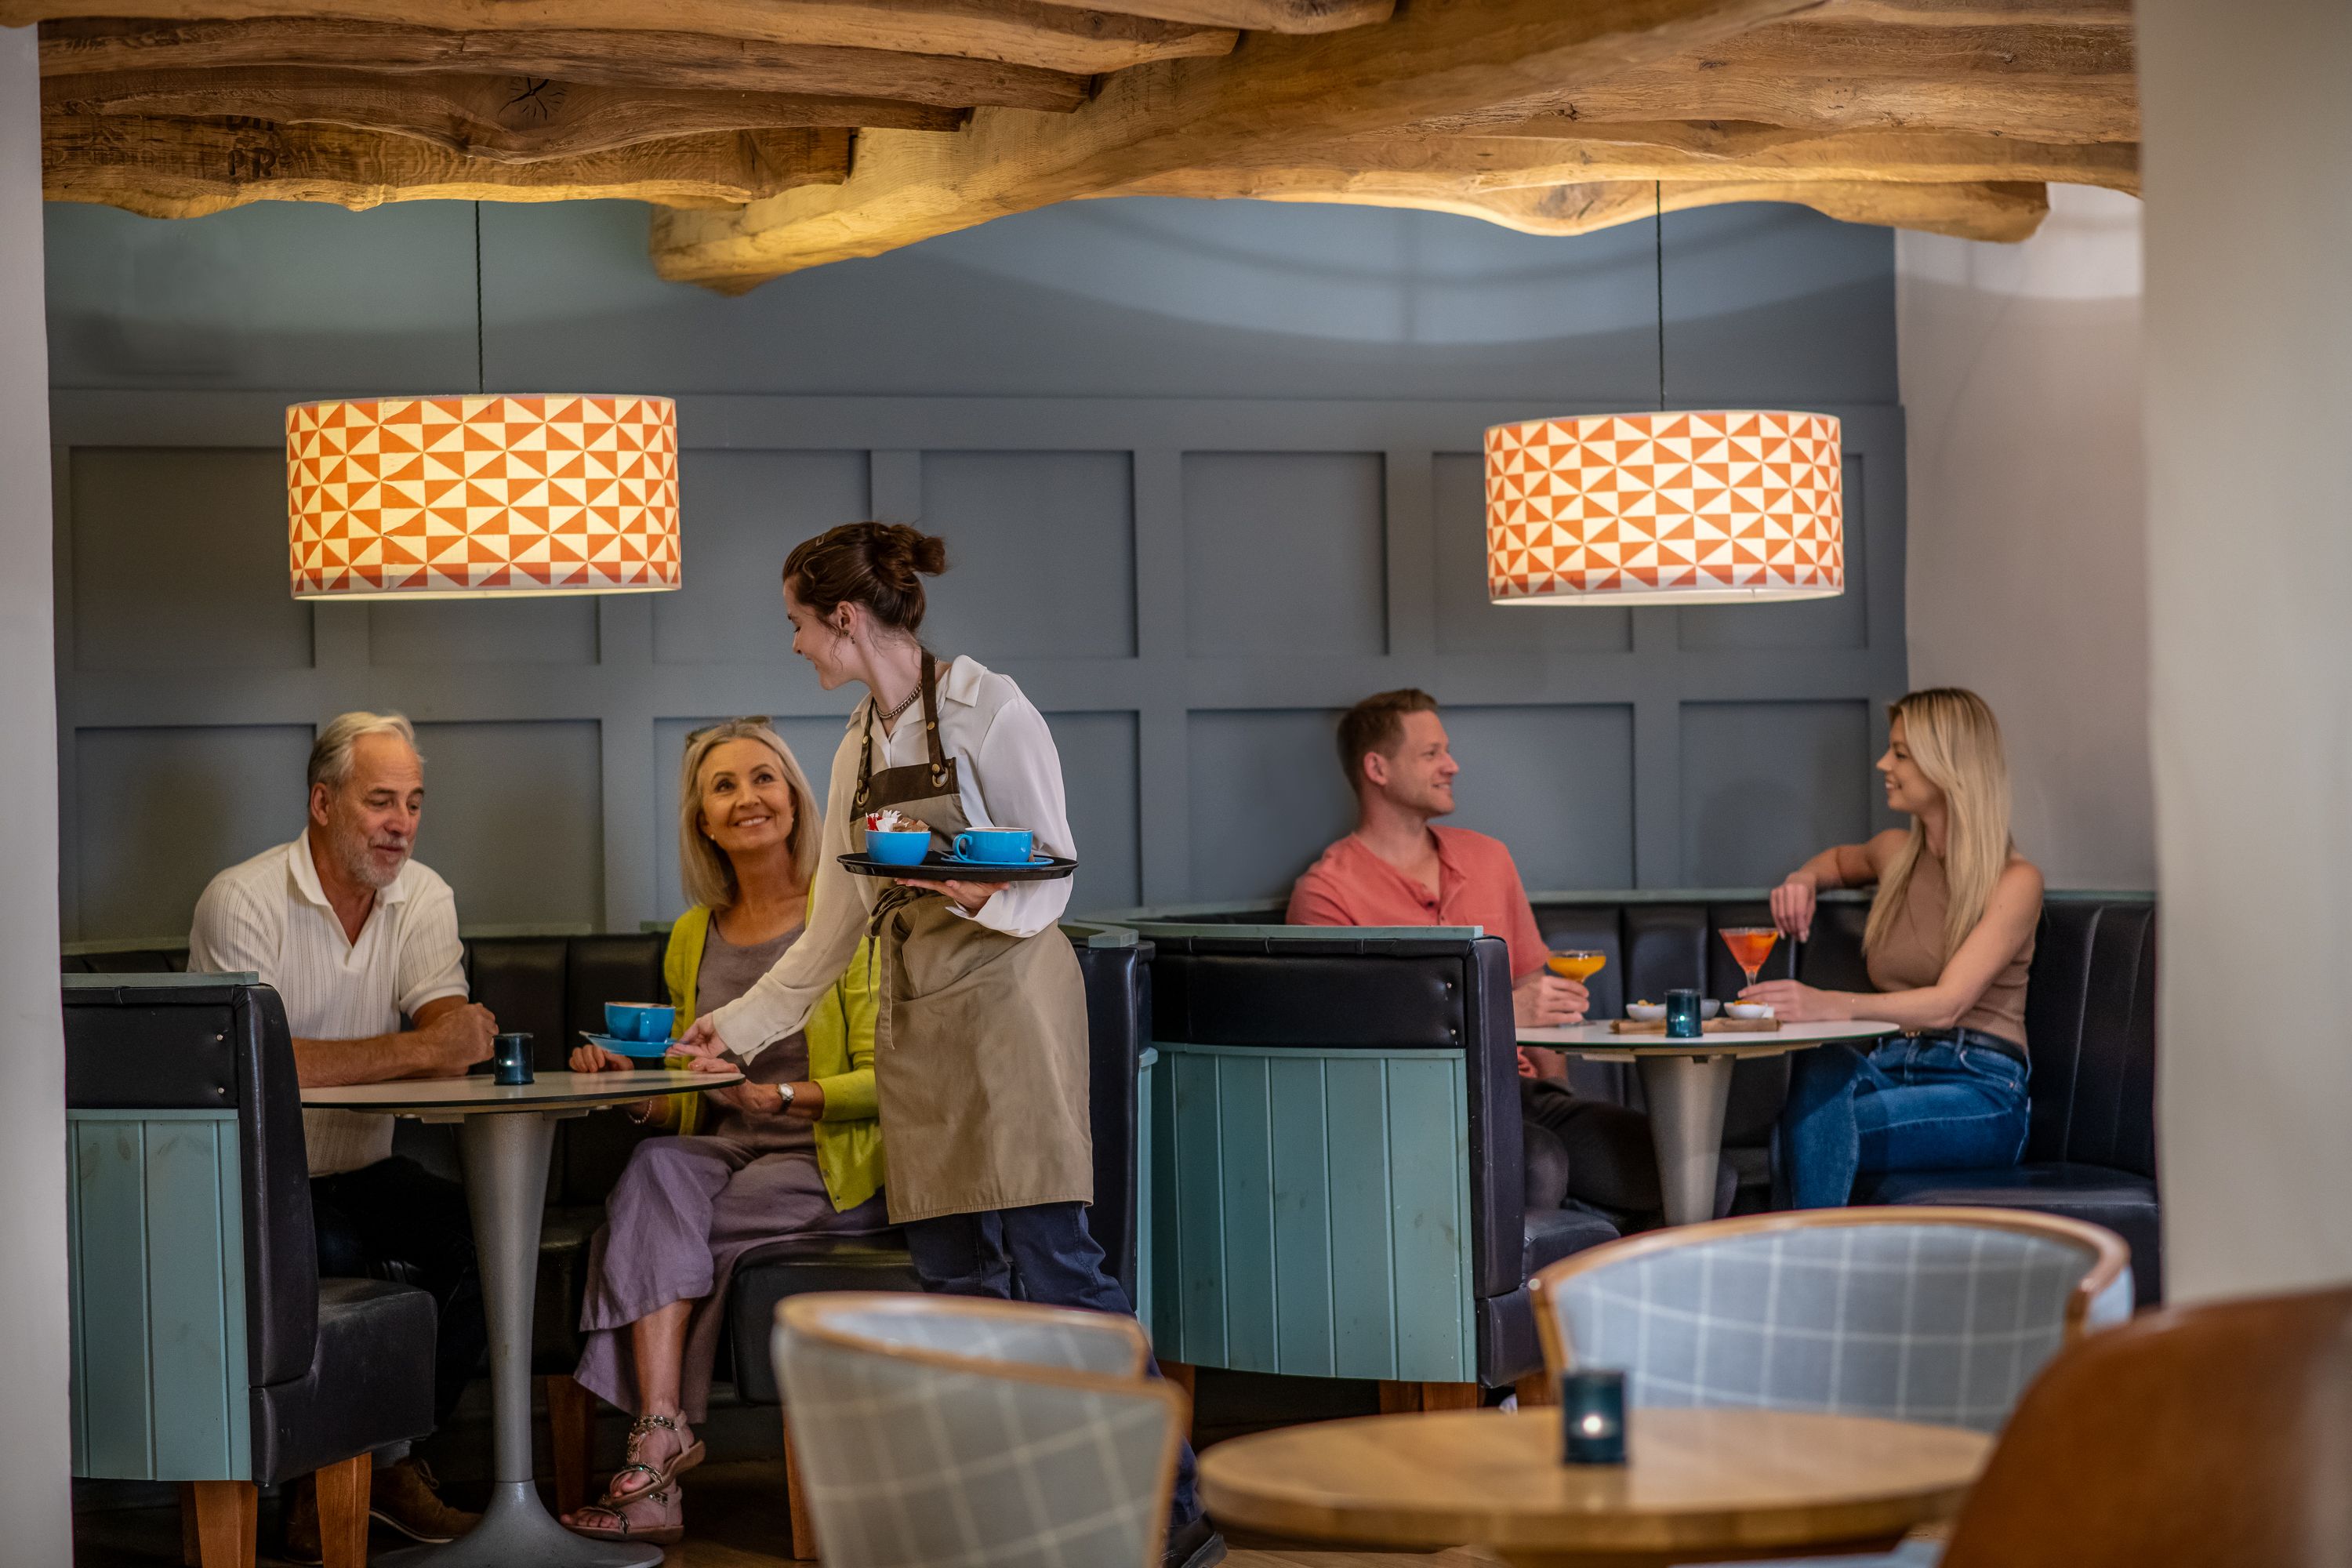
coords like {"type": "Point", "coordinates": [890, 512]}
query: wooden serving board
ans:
{"type": "Point", "coordinates": [1712, 1026]}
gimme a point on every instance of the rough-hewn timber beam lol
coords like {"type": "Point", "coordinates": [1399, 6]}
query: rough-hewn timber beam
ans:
{"type": "Point", "coordinates": [2042, 83]}
{"type": "Point", "coordinates": [505, 119]}
{"type": "Point", "coordinates": [1438, 57]}
{"type": "Point", "coordinates": [1020, 32]}
{"type": "Point", "coordinates": [2002, 212]}
{"type": "Point", "coordinates": [184, 168]}
{"type": "Point", "coordinates": [1253, 16]}
{"type": "Point", "coordinates": [1676, 152]}
{"type": "Point", "coordinates": [99, 45]}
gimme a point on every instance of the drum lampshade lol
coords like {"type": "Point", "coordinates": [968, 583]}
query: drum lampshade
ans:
{"type": "Point", "coordinates": [1712, 508]}
{"type": "Point", "coordinates": [448, 498]}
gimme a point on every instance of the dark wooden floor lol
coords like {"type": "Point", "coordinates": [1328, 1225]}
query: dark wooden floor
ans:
{"type": "Point", "coordinates": [735, 1518]}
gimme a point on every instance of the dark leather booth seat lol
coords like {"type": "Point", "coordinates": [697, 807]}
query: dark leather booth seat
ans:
{"type": "Point", "coordinates": [1391, 991]}
{"type": "Point", "coordinates": [336, 1367]}
{"type": "Point", "coordinates": [552, 987]}
{"type": "Point", "coordinates": [2090, 1015]}
{"type": "Point", "coordinates": [2090, 1022]}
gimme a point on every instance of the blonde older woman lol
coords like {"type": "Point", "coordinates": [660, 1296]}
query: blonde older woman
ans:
{"type": "Point", "coordinates": [794, 1150]}
{"type": "Point", "coordinates": [1948, 943]}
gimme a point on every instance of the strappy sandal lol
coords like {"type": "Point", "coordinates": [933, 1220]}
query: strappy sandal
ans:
{"type": "Point", "coordinates": [656, 1515]}
{"type": "Point", "coordinates": [661, 1474]}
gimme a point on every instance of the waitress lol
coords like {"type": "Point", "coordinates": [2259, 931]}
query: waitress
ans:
{"type": "Point", "coordinates": [979, 1050]}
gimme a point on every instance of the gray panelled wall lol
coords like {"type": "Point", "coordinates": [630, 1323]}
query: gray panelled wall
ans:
{"type": "Point", "coordinates": [1208, 473]}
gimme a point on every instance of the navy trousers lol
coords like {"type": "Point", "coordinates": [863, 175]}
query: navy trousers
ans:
{"type": "Point", "coordinates": [1043, 1253]}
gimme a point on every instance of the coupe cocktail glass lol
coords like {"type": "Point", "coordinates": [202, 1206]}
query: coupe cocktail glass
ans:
{"type": "Point", "coordinates": [1751, 946]}
{"type": "Point", "coordinates": [1576, 964]}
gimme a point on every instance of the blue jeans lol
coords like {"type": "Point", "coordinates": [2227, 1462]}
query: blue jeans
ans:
{"type": "Point", "coordinates": [1041, 1253]}
{"type": "Point", "coordinates": [1904, 1104]}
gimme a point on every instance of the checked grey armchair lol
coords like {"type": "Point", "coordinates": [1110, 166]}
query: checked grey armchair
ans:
{"type": "Point", "coordinates": [1940, 1315]}
{"type": "Point", "coordinates": [935, 1429]}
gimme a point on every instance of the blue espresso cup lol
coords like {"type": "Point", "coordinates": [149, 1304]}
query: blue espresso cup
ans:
{"type": "Point", "coordinates": [898, 848]}
{"type": "Point", "coordinates": [641, 1021]}
{"type": "Point", "coordinates": [996, 846]}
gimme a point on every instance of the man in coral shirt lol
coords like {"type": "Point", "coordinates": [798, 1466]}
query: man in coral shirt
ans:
{"type": "Point", "coordinates": [1400, 868]}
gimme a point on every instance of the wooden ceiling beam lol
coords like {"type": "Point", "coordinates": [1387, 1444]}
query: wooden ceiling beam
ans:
{"type": "Point", "coordinates": [100, 45]}
{"type": "Point", "coordinates": [1253, 16]}
{"type": "Point", "coordinates": [2002, 212]}
{"type": "Point", "coordinates": [1017, 32]}
{"type": "Point", "coordinates": [1438, 57]}
{"type": "Point", "coordinates": [505, 119]}
{"type": "Point", "coordinates": [1674, 151]}
{"type": "Point", "coordinates": [2044, 83]}
{"type": "Point", "coordinates": [185, 168]}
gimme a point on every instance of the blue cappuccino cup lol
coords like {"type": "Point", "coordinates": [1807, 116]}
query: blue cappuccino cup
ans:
{"type": "Point", "coordinates": [996, 846]}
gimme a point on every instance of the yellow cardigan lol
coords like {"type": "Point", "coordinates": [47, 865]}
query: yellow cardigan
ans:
{"type": "Point", "coordinates": [841, 1062]}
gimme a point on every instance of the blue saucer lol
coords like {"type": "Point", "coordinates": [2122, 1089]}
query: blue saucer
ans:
{"type": "Point", "coordinates": [635, 1050]}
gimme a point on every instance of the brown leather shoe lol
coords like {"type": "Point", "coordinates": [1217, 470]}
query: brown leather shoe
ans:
{"type": "Point", "coordinates": [402, 1496]}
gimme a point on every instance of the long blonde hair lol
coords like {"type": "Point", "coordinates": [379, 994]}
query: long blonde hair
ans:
{"type": "Point", "coordinates": [1953, 737]}
{"type": "Point", "coordinates": [703, 867]}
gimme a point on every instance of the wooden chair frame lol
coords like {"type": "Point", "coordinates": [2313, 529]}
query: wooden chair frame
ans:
{"type": "Point", "coordinates": [2109, 1255]}
{"type": "Point", "coordinates": [811, 1316]}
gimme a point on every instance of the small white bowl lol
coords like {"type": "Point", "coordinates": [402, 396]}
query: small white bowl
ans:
{"type": "Point", "coordinates": [1646, 1011]}
{"type": "Point", "coordinates": [1749, 1010]}
{"type": "Point", "coordinates": [1708, 1007]}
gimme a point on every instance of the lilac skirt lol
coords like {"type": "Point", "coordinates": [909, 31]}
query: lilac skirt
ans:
{"type": "Point", "coordinates": [682, 1214]}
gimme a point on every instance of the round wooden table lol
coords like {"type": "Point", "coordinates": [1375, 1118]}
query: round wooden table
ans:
{"type": "Point", "coordinates": [504, 1136]}
{"type": "Point", "coordinates": [1687, 1084]}
{"type": "Point", "coordinates": [1703, 1486]}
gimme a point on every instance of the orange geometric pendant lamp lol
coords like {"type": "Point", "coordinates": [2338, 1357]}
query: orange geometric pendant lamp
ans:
{"type": "Point", "coordinates": [466, 497]}
{"type": "Point", "coordinates": [1712, 508]}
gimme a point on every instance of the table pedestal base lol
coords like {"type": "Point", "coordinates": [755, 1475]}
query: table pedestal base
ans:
{"type": "Point", "coordinates": [1687, 1096]}
{"type": "Point", "coordinates": [505, 1155]}
{"type": "Point", "coordinates": [517, 1532]}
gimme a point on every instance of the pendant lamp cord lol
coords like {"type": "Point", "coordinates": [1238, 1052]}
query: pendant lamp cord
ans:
{"type": "Point", "coordinates": [481, 382]}
{"type": "Point", "coordinates": [1658, 237]}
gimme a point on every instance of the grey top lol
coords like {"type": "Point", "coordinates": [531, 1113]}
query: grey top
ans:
{"type": "Point", "coordinates": [727, 972]}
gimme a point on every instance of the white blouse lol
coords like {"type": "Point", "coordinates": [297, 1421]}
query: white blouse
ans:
{"type": "Point", "coordinates": [1008, 774]}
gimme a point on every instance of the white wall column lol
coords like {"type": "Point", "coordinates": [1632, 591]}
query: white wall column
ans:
{"type": "Point", "coordinates": [35, 1498]}
{"type": "Point", "coordinates": [2249, 425]}
{"type": "Point", "coordinates": [2027, 550]}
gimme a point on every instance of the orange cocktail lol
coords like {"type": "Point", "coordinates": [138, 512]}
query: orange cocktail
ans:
{"type": "Point", "coordinates": [1751, 946]}
{"type": "Point", "coordinates": [1578, 964]}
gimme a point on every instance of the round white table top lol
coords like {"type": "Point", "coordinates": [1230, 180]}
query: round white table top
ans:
{"type": "Point", "coordinates": [1595, 1039]}
{"type": "Point", "coordinates": [477, 1094]}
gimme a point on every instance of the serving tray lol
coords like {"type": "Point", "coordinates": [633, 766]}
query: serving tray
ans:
{"type": "Point", "coordinates": [937, 867]}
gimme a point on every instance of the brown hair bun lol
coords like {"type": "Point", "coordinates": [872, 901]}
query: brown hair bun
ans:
{"type": "Point", "coordinates": [880, 565]}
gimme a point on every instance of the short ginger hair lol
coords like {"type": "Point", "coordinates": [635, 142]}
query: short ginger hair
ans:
{"type": "Point", "coordinates": [1377, 724]}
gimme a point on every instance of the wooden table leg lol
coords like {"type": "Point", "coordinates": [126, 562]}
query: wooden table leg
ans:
{"type": "Point", "coordinates": [343, 1511]}
{"type": "Point", "coordinates": [570, 1439]}
{"type": "Point", "coordinates": [226, 1515]}
{"type": "Point", "coordinates": [804, 1526]}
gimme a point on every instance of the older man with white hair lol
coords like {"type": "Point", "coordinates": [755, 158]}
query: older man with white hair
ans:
{"type": "Point", "coordinates": [355, 936]}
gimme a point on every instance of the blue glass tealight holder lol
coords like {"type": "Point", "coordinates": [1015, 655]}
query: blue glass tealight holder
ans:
{"type": "Point", "coordinates": [1681, 1015]}
{"type": "Point", "coordinates": [1592, 1418]}
{"type": "Point", "coordinates": [510, 1060]}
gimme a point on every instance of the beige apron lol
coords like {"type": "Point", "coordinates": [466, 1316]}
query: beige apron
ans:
{"type": "Point", "coordinates": [980, 1045]}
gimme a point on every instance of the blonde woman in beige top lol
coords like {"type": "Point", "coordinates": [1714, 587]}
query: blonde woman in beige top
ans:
{"type": "Point", "coordinates": [1948, 943]}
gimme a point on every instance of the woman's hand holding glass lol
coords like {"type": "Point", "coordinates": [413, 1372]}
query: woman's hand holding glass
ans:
{"type": "Point", "coordinates": [1794, 1003]}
